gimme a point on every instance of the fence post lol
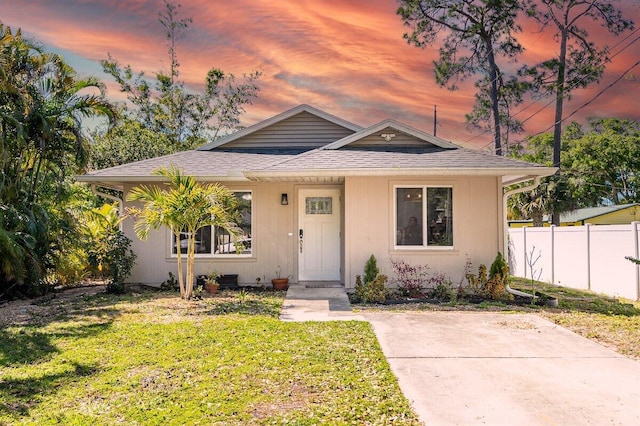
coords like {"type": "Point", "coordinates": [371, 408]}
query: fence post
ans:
{"type": "Point", "coordinates": [524, 241]}
{"type": "Point", "coordinates": [553, 256]}
{"type": "Point", "coordinates": [587, 227]}
{"type": "Point", "coordinates": [634, 228]}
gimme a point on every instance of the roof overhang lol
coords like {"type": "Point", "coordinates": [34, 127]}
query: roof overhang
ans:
{"type": "Point", "coordinates": [509, 176]}
{"type": "Point", "coordinates": [118, 182]}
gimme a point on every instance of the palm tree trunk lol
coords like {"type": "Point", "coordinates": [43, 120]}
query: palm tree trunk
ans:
{"type": "Point", "coordinates": [180, 276]}
{"type": "Point", "coordinates": [191, 253]}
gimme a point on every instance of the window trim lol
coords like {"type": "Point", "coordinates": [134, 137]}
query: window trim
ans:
{"type": "Point", "coordinates": [424, 246]}
{"type": "Point", "coordinates": [173, 255]}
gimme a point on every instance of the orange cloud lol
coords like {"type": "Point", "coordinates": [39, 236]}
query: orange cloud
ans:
{"type": "Point", "coordinates": [348, 58]}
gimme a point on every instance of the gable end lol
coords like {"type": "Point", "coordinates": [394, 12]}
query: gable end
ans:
{"type": "Point", "coordinates": [303, 130]}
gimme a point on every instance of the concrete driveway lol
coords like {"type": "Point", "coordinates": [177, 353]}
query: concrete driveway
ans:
{"type": "Point", "coordinates": [506, 369]}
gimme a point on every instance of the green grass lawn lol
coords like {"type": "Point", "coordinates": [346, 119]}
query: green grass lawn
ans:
{"type": "Point", "coordinates": [151, 359]}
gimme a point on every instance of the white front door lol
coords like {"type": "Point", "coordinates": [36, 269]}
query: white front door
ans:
{"type": "Point", "coordinates": [319, 235]}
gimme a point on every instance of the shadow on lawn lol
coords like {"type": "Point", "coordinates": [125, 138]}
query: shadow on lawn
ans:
{"type": "Point", "coordinates": [28, 345]}
{"type": "Point", "coordinates": [17, 396]}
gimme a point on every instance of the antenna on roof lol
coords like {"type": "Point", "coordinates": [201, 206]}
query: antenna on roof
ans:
{"type": "Point", "coordinates": [435, 119]}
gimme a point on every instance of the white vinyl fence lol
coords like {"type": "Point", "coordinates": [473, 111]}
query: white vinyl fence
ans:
{"type": "Point", "coordinates": [588, 257]}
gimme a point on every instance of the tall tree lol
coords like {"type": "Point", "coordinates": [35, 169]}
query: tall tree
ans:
{"type": "Point", "coordinates": [42, 144]}
{"type": "Point", "coordinates": [476, 33]}
{"type": "Point", "coordinates": [554, 195]}
{"type": "Point", "coordinates": [579, 61]}
{"type": "Point", "coordinates": [603, 163]}
{"type": "Point", "coordinates": [167, 107]}
{"type": "Point", "coordinates": [126, 142]}
{"type": "Point", "coordinates": [184, 206]}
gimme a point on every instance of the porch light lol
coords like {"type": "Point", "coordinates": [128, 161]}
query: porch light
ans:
{"type": "Point", "coordinates": [284, 199]}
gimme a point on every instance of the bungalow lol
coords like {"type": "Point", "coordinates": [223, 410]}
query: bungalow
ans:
{"type": "Point", "coordinates": [320, 195]}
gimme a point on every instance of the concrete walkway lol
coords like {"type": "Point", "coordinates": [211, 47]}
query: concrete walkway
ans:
{"type": "Point", "coordinates": [317, 304]}
{"type": "Point", "coordinates": [488, 368]}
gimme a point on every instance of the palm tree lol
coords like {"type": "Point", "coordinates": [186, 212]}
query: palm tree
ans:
{"type": "Point", "coordinates": [184, 207]}
{"type": "Point", "coordinates": [42, 143]}
{"type": "Point", "coordinates": [551, 196]}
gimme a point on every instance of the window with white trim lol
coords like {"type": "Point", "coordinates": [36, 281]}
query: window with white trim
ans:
{"type": "Point", "coordinates": [215, 241]}
{"type": "Point", "coordinates": [424, 216]}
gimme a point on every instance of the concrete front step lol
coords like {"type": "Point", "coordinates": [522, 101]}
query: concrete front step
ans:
{"type": "Point", "coordinates": [317, 304]}
{"type": "Point", "coordinates": [320, 284]}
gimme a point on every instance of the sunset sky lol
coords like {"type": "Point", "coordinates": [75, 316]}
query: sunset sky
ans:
{"type": "Point", "coordinates": [346, 57]}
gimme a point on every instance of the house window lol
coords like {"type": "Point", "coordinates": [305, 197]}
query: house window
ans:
{"type": "Point", "coordinates": [215, 241]}
{"type": "Point", "coordinates": [420, 205]}
{"type": "Point", "coordinates": [319, 205]}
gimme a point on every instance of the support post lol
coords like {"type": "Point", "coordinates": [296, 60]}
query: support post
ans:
{"type": "Point", "coordinates": [524, 243]}
{"type": "Point", "coordinates": [553, 254]}
{"type": "Point", "coordinates": [634, 228]}
{"type": "Point", "coordinates": [587, 227]}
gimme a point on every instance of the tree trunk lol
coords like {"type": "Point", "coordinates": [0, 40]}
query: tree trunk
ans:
{"type": "Point", "coordinates": [495, 109]}
{"type": "Point", "coordinates": [557, 125]}
{"type": "Point", "coordinates": [191, 254]}
{"type": "Point", "coordinates": [180, 269]}
{"type": "Point", "coordinates": [537, 218]}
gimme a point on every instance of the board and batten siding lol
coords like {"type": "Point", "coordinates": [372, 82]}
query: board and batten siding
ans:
{"type": "Point", "coordinates": [303, 130]}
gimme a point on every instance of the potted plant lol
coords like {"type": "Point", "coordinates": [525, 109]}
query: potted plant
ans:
{"type": "Point", "coordinates": [278, 282]}
{"type": "Point", "coordinates": [210, 282]}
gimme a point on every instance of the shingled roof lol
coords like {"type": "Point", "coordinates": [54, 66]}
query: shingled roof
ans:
{"type": "Point", "coordinates": [386, 148]}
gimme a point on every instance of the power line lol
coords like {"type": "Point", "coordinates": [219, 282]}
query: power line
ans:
{"type": "Point", "coordinates": [597, 95]}
{"type": "Point", "coordinates": [571, 87]}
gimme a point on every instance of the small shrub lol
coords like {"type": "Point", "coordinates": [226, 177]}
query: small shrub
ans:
{"type": "Point", "coordinates": [120, 259]}
{"type": "Point", "coordinates": [115, 287]}
{"type": "Point", "coordinates": [492, 283]}
{"type": "Point", "coordinates": [411, 279]}
{"type": "Point", "coordinates": [441, 292]}
{"type": "Point", "coordinates": [498, 265]}
{"type": "Point", "coordinates": [171, 284]}
{"type": "Point", "coordinates": [496, 287]}
{"type": "Point", "coordinates": [243, 295]}
{"type": "Point", "coordinates": [371, 270]}
{"type": "Point", "coordinates": [371, 292]}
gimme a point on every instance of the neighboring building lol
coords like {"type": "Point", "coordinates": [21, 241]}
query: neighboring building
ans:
{"type": "Point", "coordinates": [607, 215]}
{"type": "Point", "coordinates": [321, 195]}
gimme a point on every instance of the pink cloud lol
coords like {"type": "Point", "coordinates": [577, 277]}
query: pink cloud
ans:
{"type": "Point", "coordinates": [348, 58]}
